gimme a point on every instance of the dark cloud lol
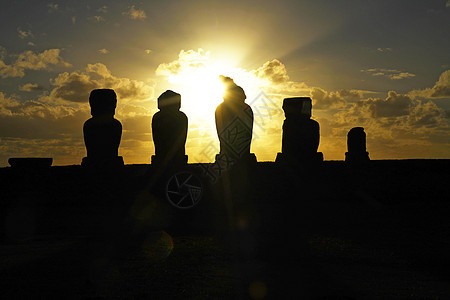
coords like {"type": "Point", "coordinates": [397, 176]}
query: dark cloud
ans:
{"type": "Point", "coordinates": [393, 106]}
{"type": "Point", "coordinates": [35, 120]}
{"type": "Point", "coordinates": [327, 100]}
{"type": "Point", "coordinates": [426, 114]}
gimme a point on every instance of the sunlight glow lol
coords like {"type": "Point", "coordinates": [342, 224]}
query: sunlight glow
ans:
{"type": "Point", "coordinates": [196, 76]}
{"type": "Point", "coordinates": [200, 88]}
{"type": "Point", "coordinates": [197, 80]}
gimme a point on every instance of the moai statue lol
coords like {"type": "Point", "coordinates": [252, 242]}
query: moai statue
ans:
{"type": "Point", "coordinates": [102, 132]}
{"type": "Point", "coordinates": [356, 145]}
{"type": "Point", "coordinates": [301, 134]}
{"type": "Point", "coordinates": [234, 125]}
{"type": "Point", "coordinates": [169, 129]}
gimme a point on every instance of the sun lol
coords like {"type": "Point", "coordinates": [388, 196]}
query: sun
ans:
{"type": "Point", "coordinates": [196, 76]}
{"type": "Point", "coordinates": [200, 88]}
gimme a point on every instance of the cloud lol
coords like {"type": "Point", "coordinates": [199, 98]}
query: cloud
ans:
{"type": "Point", "coordinates": [135, 14]}
{"type": "Point", "coordinates": [73, 87]}
{"type": "Point", "coordinates": [397, 127]}
{"type": "Point", "coordinates": [29, 60]}
{"type": "Point", "coordinates": [32, 128]}
{"type": "Point", "coordinates": [274, 79]}
{"type": "Point", "coordinates": [324, 100]}
{"type": "Point", "coordinates": [35, 120]}
{"type": "Point", "coordinates": [31, 87]}
{"type": "Point", "coordinates": [97, 19]}
{"type": "Point", "coordinates": [103, 9]}
{"type": "Point", "coordinates": [393, 106]}
{"type": "Point", "coordinates": [76, 86]}
{"type": "Point", "coordinates": [440, 90]}
{"type": "Point", "coordinates": [401, 75]}
{"type": "Point", "coordinates": [190, 59]}
{"type": "Point", "coordinates": [103, 51]}
{"type": "Point", "coordinates": [24, 33]}
{"type": "Point", "coordinates": [2, 53]}
{"type": "Point", "coordinates": [426, 114]}
{"type": "Point", "coordinates": [274, 70]}
{"type": "Point", "coordinates": [52, 7]}
{"type": "Point", "coordinates": [332, 100]}
{"type": "Point", "coordinates": [389, 73]}
{"type": "Point", "coordinates": [442, 87]}
{"type": "Point", "coordinates": [447, 5]}
{"type": "Point", "coordinates": [32, 109]}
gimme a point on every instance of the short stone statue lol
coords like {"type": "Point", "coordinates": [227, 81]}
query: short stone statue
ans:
{"type": "Point", "coordinates": [356, 145]}
{"type": "Point", "coordinates": [169, 129]}
{"type": "Point", "coordinates": [301, 134]}
{"type": "Point", "coordinates": [102, 132]}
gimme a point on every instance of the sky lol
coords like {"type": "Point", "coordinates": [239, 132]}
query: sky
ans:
{"type": "Point", "coordinates": [381, 65]}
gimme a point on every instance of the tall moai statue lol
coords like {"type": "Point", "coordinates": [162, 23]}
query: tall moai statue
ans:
{"type": "Point", "coordinates": [301, 134]}
{"type": "Point", "coordinates": [169, 129]}
{"type": "Point", "coordinates": [102, 132]}
{"type": "Point", "coordinates": [234, 125]}
{"type": "Point", "coordinates": [356, 145]}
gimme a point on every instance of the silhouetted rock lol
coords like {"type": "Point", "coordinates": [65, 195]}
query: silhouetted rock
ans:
{"type": "Point", "coordinates": [30, 162]}
{"type": "Point", "coordinates": [234, 125]}
{"type": "Point", "coordinates": [356, 145]}
{"type": "Point", "coordinates": [102, 132]}
{"type": "Point", "coordinates": [169, 128]}
{"type": "Point", "coordinates": [301, 134]}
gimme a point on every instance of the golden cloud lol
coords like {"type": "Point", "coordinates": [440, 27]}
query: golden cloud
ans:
{"type": "Point", "coordinates": [29, 60]}
{"type": "Point", "coordinates": [135, 14]}
{"type": "Point", "coordinates": [389, 73]}
{"type": "Point", "coordinates": [76, 86]}
{"type": "Point", "coordinates": [189, 59]}
{"type": "Point", "coordinates": [326, 100]}
{"type": "Point", "coordinates": [31, 87]}
{"type": "Point", "coordinates": [440, 90]}
{"type": "Point", "coordinates": [274, 71]}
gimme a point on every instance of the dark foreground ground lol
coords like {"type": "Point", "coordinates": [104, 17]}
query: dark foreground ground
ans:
{"type": "Point", "coordinates": [269, 233]}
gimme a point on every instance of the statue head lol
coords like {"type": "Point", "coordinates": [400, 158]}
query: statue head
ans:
{"type": "Point", "coordinates": [356, 140]}
{"type": "Point", "coordinates": [103, 102]}
{"type": "Point", "coordinates": [233, 92]}
{"type": "Point", "coordinates": [169, 100]}
{"type": "Point", "coordinates": [297, 106]}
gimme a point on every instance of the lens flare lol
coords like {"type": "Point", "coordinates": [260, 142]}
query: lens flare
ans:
{"type": "Point", "coordinates": [157, 246]}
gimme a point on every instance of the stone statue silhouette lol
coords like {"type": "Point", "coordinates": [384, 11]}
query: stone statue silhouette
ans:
{"type": "Point", "coordinates": [356, 145]}
{"type": "Point", "coordinates": [169, 129]}
{"type": "Point", "coordinates": [301, 134]}
{"type": "Point", "coordinates": [234, 123]}
{"type": "Point", "coordinates": [102, 132]}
